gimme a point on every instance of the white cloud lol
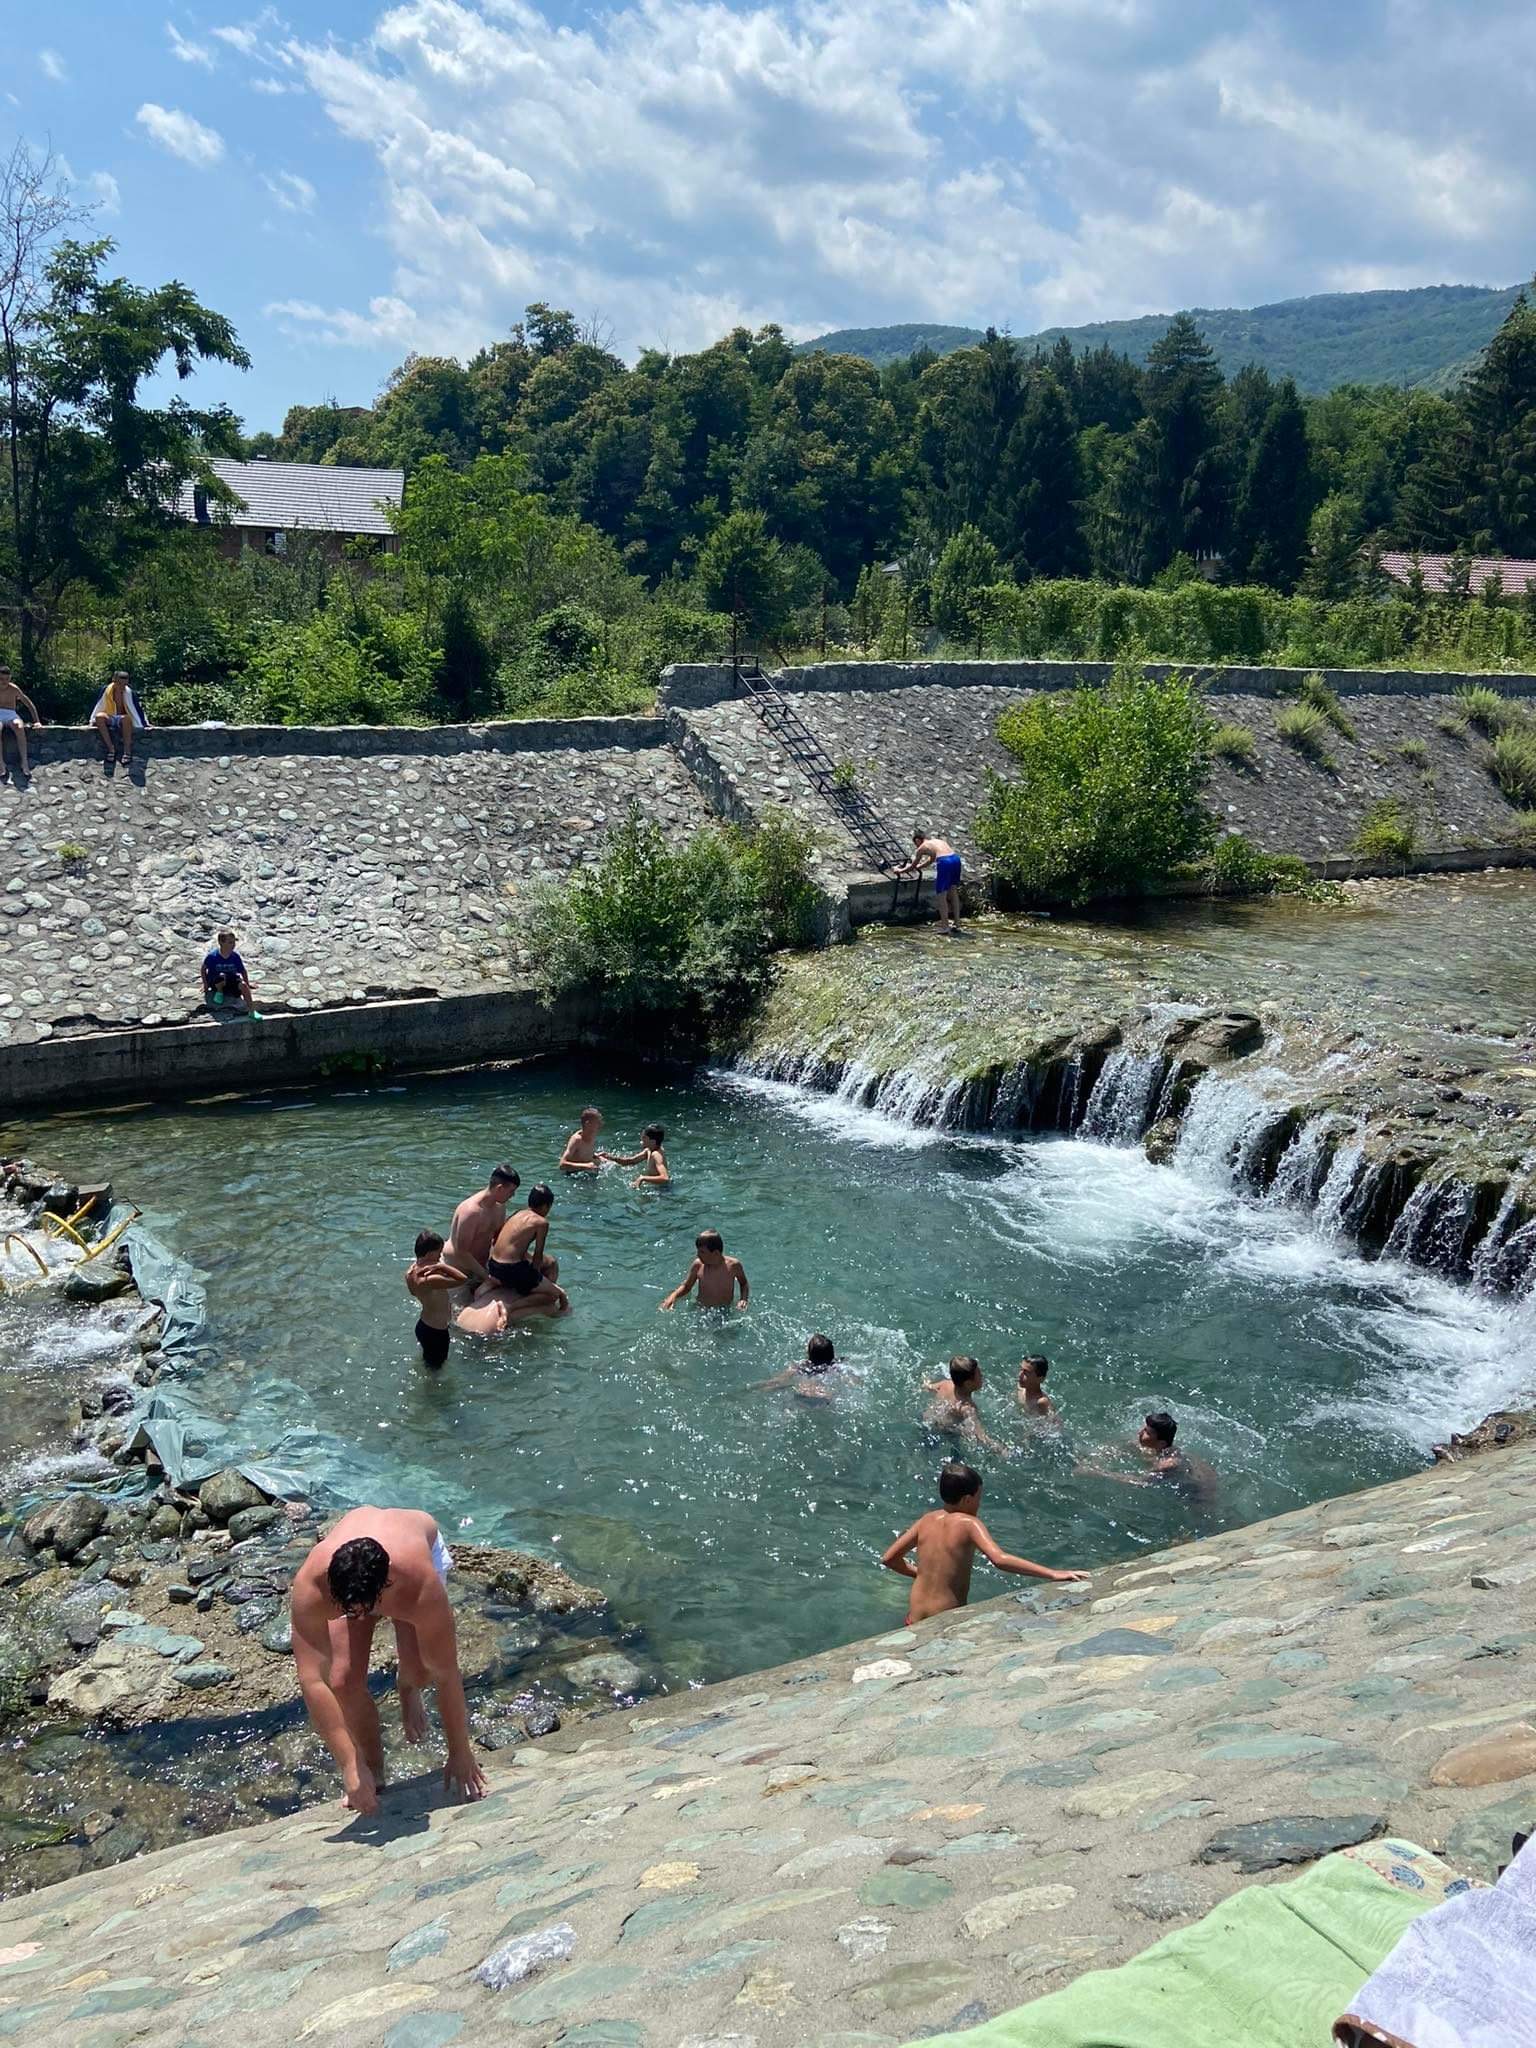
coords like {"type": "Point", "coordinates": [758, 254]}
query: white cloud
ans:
{"type": "Point", "coordinates": [292, 193]}
{"type": "Point", "coordinates": [180, 134]}
{"type": "Point", "coordinates": [52, 65]}
{"type": "Point", "coordinates": [188, 52]}
{"type": "Point", "coordinates": [684, 164]}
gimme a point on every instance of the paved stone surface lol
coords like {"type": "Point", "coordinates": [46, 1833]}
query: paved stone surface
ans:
{"type": "Point", "coordinates": [796, 1857]}
{"type": "Point", "coordinates": [344, 876]}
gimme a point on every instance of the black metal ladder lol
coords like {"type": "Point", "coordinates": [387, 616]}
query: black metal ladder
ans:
{"type": "Point", "coordinates": [868, 830]}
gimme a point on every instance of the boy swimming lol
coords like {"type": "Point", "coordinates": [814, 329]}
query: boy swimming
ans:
{"type": "Point", "coordinates": [716, 1275]}
{"type": "Point", "coordinates": [651, 1158]}
{"type": "Point", "coordinates": [429, 1281]}
{"type": "Point", "coordinates": [1192, 1477]}
{"type": "Point", "coordinates": [953, 1408]}
{"type": "Point", "coordinates": [807, 1375]}
{"type": "Point", "coordinates": [946, 1541]}
{"type": "Point", "coordinates": [1030, 1392]}
{"type": "Point", "coordinates": [581, 1153]}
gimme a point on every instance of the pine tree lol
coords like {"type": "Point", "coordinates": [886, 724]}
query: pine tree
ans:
{"type": "Point", "coordinates": [1499, 402]}
{"type": "Point", "coordinates": [1269, 520]}
{"type": "Point", "coordinates": [1333, 547]}
{"type": "Point", "coordinates": [1037, 508]}
{"type": "Point", "coordinates": [1183, 392]}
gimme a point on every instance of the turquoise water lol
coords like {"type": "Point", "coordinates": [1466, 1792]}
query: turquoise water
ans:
{"type": "Point", "coordinates": [741, 1527]}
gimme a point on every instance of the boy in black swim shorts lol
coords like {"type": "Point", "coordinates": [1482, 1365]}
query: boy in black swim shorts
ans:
{"type": "Point", "coordinates": [430, 1281]}
{"type": "Point", "coordinates": [518, 1261]}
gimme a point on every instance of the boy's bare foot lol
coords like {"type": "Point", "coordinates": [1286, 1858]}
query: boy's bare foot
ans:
{"type": "Point", "coordinates": [413, 1714]}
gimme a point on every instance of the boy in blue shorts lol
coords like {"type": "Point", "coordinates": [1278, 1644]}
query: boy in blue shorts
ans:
{"type": "Point", "coordinates": [946, 875]}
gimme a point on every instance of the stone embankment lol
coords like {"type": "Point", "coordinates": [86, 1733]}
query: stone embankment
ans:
{"type": "Point", "coordinates": [893, 1839]}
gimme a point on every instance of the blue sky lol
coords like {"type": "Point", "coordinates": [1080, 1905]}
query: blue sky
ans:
{"type": "Point", "coordinates": [352, 179]}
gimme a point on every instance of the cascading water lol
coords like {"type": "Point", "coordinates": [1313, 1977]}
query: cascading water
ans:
{"type": "Point", "coordinates": [1303, 1167]}
{"type": "Point", "coordinates": [1121, 1104]}
{"type": "Point", "coordinates": [1228, 1128]}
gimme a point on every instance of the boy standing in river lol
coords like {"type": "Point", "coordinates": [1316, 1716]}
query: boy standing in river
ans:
{"type": "Point", "coordinates": [580, 1154]}
{"type": "Point", "coordinates": [946, 1541]}
{"type": "Point", "coordinates": [947, 872]}
{"type": "Point", "coordinates": [430, 1281]}
{"type": "Point", "coordinates": [716, 1275]}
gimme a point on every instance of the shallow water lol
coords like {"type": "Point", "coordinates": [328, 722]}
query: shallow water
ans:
{"type": "Point", "coordinates": [742, 1527]}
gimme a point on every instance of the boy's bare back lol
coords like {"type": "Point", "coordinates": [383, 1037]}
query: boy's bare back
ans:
{"type": "Point", "coordinates": [946, 1550]}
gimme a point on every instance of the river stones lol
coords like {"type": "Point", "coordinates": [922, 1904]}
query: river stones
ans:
{"type": "Point", "coordinates": [65, 1526]}
{"type": "Point", "coordinates": [227, 1493]}
{"type": "Point", "coordinates": [1492, 1759]}
{"type": "Point", "coordinates": [252, 1521]}
{"type": "Point", "coordinates": [1294, 1838]}
{"type": "Point", "coordinates": [203, 1675]}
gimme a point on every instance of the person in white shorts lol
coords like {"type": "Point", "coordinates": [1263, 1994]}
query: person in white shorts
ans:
{"type": "Point", "coordinates": [380, 1564]}
{"type": "Point", "coordinates": [12, 703]}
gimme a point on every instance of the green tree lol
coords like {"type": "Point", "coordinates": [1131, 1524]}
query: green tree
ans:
{"type": "Point", "coordinates": [90, 474]}
{"type": "Point", "coordinates": [742, 572]}
{"type": "Point", "coordinates": [1040, 485]}
{"type": "Point", "coordinates": [1273, 500]}
{"type": "Point", "coordinates": [478, 531]}
{"type": "Point", "coordinates": [963, 584]}
{"type": "Point", "coordinates": [1499, 402]}
{"type": "Point", "coordinates": [1333, 548]}
{"type": "Point", "coordinates": [1182, 391]}
{"type": "Point", "coordinates": [1107, 794]}
{"type": "Point", "coordinates": [428, 407]}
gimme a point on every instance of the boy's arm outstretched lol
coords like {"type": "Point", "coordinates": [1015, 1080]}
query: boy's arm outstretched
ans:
{"type": "Point", "coordinates": [1004, 1561]}
{"type": "Point", "coordinates": [896, 1559]}
{"type": "Point", "coordinates": [739, 1274]}
{"type": "Point", "coordinates": [685, 1286]}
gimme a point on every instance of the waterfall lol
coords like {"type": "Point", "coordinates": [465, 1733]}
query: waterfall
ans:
{"type": "Point", "coordinates": [1227, 1129]}
{"type": "Point", "coordinates": [1120, 1107]}
{"type": "Point", "coordinates": [1303, 1169]}
{"type": "Point", "coordinates": [1434, 1224]}
{"type": "Point", "coordinates": [1339, 1182]}
{"type": "Point", "coordinates": [1492, 1263]}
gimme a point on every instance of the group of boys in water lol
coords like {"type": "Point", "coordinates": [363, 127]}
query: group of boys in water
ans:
{"type": "Point", "coordinates": [493, 1269]}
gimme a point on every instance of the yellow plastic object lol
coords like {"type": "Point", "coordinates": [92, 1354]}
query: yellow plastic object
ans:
{"type": "Point", "coordinates": [58, 1223]}
{"type": "Point", "coordinates": [15, 1237]}
{"type": "Point", "coordinates": [112, 1236]}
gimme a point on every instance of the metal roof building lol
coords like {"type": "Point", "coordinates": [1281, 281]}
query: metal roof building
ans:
{"type": "Point", "coordinates": [1515, 576]}
{"type": "Point", "coordinates": [297, 497]}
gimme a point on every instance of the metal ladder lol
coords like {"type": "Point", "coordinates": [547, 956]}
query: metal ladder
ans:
{"type": "Point", "coordinates": [868, 830]}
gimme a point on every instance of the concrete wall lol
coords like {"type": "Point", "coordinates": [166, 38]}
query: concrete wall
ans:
{"type": "Point", "coordinates": [501, 736]}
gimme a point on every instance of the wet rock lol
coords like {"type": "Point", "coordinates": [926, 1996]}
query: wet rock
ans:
{"type": "Point", "coordinates": [606, 1671]}
{"type": "Point", "coordinates": [181, 1596]}
{"type": "Point", "coordinates": [239, 1591]}
{"type": "Point", "coordinates": [84, 1634]}
{"type": "Point", "coordinates": [226, 1493]}
{"type": "Point", "coordinates": [203, 1675]}
{"type": "Point", "coordinates": [278, 1636]}
{"type": "Point", "coordinates": [98, 1282]}
{"type": "Point", "coordinates": [541, 1721]}
{"type": "Point", "coordinates": [65, 1526]}
{"type": "Point", "coordinates": [1293, 1838]}
{"type": "Point", "coordinates": [201, 1569]}
{"type": "Point", "coordinates": [1492, 1759]}
{"type": "Point", "coordinates": [165, 1522]}
{"type": "Point", "coordinates": [256, 1614]}
{"type": "Point", "coordinates": [251, 1521]}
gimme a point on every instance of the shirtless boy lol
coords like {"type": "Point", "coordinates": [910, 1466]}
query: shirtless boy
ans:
{"type": "Point", "coordinates": [954, 1403]}
{"type": "Point", "coordinates": [714, 1273]}
{"type": "Point", "coordinates": [947, 869]}
{"type": "Point", "coordinates": [808, 1376]}
{"type": "Point", "coordinates": [429, 1280]}
{"type": "Point", "coordinates": [13, 702]}
{"type": "Point", "coordinates": [1189, 1476]}
{"type": "Point", "coordinates": [379, 1564]}
{"type": "Point", "coordinates": [517, 1260]}
{"type": "Point", "coordinates": [581, 1153]}
{"type": "Point", "coordinates": [946, 1541]}
{"type": "Point", "coordinates": [651, 1159]}
{"type": "Point", "coordinates": [1030, 1392]}
{"type": "Point", "coordinates": [476, 1222]}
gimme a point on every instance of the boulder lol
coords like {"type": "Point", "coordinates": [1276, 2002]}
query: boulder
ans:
{"type": "Point", "coordinates": [1493, 1759]}
{"type": "Point", "coordinates": [90, 1691]}
{"type": "Point", "coordinates": [226, 1493]}
{"type": "Point", "coordinates": [66, 1526]}
{"type": "Point", "coordinates": [606, 1671]}
{"type": "Point", "coordinates": [96, 1282]}
{"type": "Point", "coordinates": [251, 1521]}
{"type": "Point", "coordinates": [165, 1522]}
{"type": "Point", "coordinates": [1219, 1035]}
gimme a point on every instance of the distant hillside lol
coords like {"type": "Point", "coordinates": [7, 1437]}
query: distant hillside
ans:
{"type": "Point", "coordinates": [1423, 338]}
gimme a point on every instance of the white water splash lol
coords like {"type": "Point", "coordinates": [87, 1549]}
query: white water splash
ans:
{"type": "Point", "coordinates": [1120, 1107]}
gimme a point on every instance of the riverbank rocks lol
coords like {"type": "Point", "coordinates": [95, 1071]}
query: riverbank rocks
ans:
{"type": "Point", "coordinates": [66, 1526]}
{"type": "Point", "coordinates": [246, 1522]}
{"type": "Point", "coordinates": [1493, 1759]}
{"type": "Point", "coordinates": [227, 1494]}
{"type": "Point", "coordinates": [100, 1281]}
{"type": "Point", "coordinates": [1291, 1838]}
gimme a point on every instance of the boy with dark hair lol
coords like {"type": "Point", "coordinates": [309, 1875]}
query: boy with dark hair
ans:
{"type": "Point", "coordinates": [1030, 1393]}
{"type": "Point", "coordinates": [1192, 1477]}
{"type": "Point", "coordinates": [224, 975]}
{"type": "Point", "coordinates": [651, 1156]}
{"type": "Point", "coordinates": [518, 1262]}
{"type": "Point", "coordinates": [380, 1564]}
{"type": "Point", "coordinates": [954, 1402]}
{"type": "Point", "coordinates": [807, 1374]}
{"type": "Point", "coordinates": [430, 1281]}
{"type": "Point", "coordinates": [947, 870]}
{"type": "Point", "coordinates": [476, 1222]}
{"type": "Point", "coordinates": [716, 1275]}
{"type": "Point", "coordinates": [946, 1541]}
{"type": "Point", "coordinates": [581, 1154]}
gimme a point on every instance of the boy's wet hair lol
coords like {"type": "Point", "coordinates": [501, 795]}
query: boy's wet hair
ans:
{"type": "Point", "coordinates": [655, 1134]}
{"type": "Point", "coordinates": [818, 1349]}
{"type": "Point", "coordinates": [957, 1482]}
{"type": "Point", "coordinates": [1162, 1425]}
{"type": "Point", "coordinates": [1038, 1365]}
{"type": "Point", "coordinates": [588, 1113]}
{"type": "Point", "coordinates": [428, 1242]}
{"type": "Point", "coordinates": [919, 834]}
{"type": "Point", "coordinates": [358, 1574]}
{"type": "Point", "coordinates": [541, 1197]}
{"type": "Point", "coordinates": [963, 1370]}
{"type": "Point", "coordinates": [503, 1172]}
{"type": "Point", "coordinates": [709, 1241]}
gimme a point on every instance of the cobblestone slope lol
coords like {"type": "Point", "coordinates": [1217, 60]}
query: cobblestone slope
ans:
{"type": "Point", "coordinates": [903, 1836]}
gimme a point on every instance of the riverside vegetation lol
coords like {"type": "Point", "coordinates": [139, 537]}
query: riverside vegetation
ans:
{"type": "Point", "coordinates": [572, 524]}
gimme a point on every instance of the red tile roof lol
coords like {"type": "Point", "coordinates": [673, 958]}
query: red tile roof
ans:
{"type": "Point", "coordinates": [1514, 575]}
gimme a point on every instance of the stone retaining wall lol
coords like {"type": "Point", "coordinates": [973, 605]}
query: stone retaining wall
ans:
{"type": "Point", "coordinates": [502, 736]}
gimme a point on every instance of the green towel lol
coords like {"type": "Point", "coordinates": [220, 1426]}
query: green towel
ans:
{"type": "Point", "coordinates": [1271, 1967]}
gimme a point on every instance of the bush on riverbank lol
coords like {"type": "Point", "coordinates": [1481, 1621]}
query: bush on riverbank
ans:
{"type": "Point", "coordinates": [1107, 799]}
{"type": "Point", "coordinates": [684, 934]}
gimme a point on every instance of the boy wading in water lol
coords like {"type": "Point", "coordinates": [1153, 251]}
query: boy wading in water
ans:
{"type": "Point", "coordinates": [946, 1541]}
{"type": "Point", "coordinates": [380, 1564]}
{"type": "Point", "coordinates": [716, 1275]}
{"type": "Point", "coordinates": [657, 1173]}
{"type": "Point", "coordinates": [429, 1281]}
{"type": "Point", "coordinates": [1030, 1393]}
{"type": "Point", "coordinates": [476, 1221]}
{"type": "Point", "coordinates": [947, 871]}
{"type": "Point", "coordinates": [954, 1403]}
{"type": "Point", "coordinates": [581, 1153]}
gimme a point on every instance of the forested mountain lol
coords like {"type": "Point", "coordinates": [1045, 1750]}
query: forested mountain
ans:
{"type": "Point", "coordinates": [1425, 339]}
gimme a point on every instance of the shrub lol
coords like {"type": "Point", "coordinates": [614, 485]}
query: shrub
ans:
{"type": "Point", "coordinates": [194, 704]}
{"type": "Point", "coordinates": [1107, 798]}
{"type": "Point", "coordinates": [1304, 727]}
{"type": "Point", "coordinates": [1485, 709]}
{"type": "Point", "coordinates": [1453, 725]}
{"type": "Point", "coordinates": [1315, 691]}
{"type": "Point", "coordinates": [353, 665]}
{"type": "Point", "coordinates": [1235, 743]}
{"type": "Point", "coordinates": [527, 692]}
{"type": "Point", "coordinates": [687, 934]}
{"type": "Point", "coordinates": [1521, 830]}
{"type": "Point", "coordinates": [1388, 832]}
{"type": "Point", "coordinates": [1237, 867]}
{"type": "Point", "coordinates": [71, 853]}
{"type": "Point", "coordinates": [1415, 753]}
{"type": "Point", "coordinates": [1514, 766]}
